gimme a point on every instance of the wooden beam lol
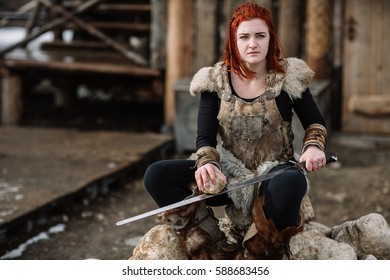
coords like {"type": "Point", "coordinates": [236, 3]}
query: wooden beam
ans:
{"type": "Point", "coordinates": [49, 26]}
{"type": "Point", "coordinates": [73, 45]}
{"type": "Point", "coordinates": [136, 58]}
{"type": "Point", "coordinates": [21, 13]}
{"type": "Point", "coordinates": [135, 27]}
{"type": "Point", "coordinates": [317, 36]}
{"type": "Point", "coordinates": [34, 35]}
{"type": "Point", "coordinates": [33, 18]}
{"type": "Point", "coordinates": [124, 8]}
{"type": "Point", "coordinates": [158, 33]}
{"type": "Point", "coordinates": [179, 51]}
{"type": "Point", "coordinates": [86, 67]}
{"type": "Point", "coordinates": [11, 100]}
{"type": "Point", "coordinates": [205, 34]}
{"type": "Point", "coordinates": [112, 7]}
{"type": "Point", "coordinates": [289, 27]}
{"type": "Point", "coordinates": [371, 105]}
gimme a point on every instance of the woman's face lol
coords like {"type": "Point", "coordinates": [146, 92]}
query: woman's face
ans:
{"type": "Point", "coordinates": [253, 41]}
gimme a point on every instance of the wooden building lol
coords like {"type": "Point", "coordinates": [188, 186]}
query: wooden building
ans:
{"type": "Point", "coordinates": [112, 45]}
{"type": "Point", "coordinates": [344, 41]}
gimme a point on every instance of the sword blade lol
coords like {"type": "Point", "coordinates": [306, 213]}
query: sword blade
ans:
{"type": "Point", "coordinates": [203, 196]}
{"type": "Point", "coordinates": [229, 188]}
{"type": "Point", "coordinates": [165, 208]}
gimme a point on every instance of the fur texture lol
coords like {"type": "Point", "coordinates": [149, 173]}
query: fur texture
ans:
{"type": "Point", "coordinates": [199, 233]}
{"type": "Point", "coordinates": [296, 79]}
{"type": "Point", "coordinates": [236, 171]}
{"type": "Point", "coordinates": [199, 246]}
{"type": "Point", "coordinates": [267, 242]}
{"type": "Point", "coordinates": [179, 218]}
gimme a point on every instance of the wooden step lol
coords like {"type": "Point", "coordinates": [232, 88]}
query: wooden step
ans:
{"type": "Point", "coordinates": [75, 44]}
{"type": "Point", "coordinates": [122, 26]}
{"type": "Point", "coordinates": [113, 7]}
{"type": "Point", "coordinates": [77, 61]}
{"type": "Point", "coordinates": [124, 8]}
{"type": "Point", "coordinates": [138, 27]}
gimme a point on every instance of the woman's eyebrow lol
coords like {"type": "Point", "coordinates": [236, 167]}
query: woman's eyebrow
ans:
{"type": "Point", "coordinates": [247, 33]}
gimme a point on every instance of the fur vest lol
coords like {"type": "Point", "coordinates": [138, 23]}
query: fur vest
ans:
{"type": "Point", "coordinates": [252, 137]}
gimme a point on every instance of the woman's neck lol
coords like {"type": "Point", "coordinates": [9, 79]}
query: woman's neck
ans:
{"type": "Point", "coordinates": [249, 88]}
{"type": "Point", "coordinates": [260, 69]}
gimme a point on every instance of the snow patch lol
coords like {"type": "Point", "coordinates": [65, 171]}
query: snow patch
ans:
{"type": "Point", "coordinates": [41, 236]}
{"type": "Point", "coordinates": [133, 241]}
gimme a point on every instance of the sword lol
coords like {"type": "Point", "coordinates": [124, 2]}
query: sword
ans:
{"type": "Point", "coordinates": [195, 198]}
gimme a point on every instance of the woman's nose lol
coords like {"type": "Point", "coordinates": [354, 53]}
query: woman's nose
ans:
{"type": "Point", "coordinates": [252, 43]}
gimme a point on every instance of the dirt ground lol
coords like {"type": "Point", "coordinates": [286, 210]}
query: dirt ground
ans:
{"type": "Point", "coordinates": [357, 185]}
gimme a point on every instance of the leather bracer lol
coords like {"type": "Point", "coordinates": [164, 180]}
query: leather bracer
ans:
{"type": "Point", "coordinates": [315, 135]}
{"type": "Point", "coordinates": [206, 155]}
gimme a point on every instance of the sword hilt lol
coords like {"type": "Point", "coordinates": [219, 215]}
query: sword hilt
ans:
{"type": "Point", "coordinates": [330, 157]}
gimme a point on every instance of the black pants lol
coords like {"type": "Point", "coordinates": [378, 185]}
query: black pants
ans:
{"type": "Point", "coordinates": [167, 182]}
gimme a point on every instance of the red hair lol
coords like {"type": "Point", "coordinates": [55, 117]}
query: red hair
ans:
{"type": "Point", "coordinates": [231, 56]}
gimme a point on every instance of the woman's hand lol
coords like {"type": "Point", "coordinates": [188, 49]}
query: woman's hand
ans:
{"type": "Point", "coordinates": [210, 179]}
{"type": "Point", "coordinates": [314, 157]}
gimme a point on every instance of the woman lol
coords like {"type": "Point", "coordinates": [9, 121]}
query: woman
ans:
{"type": "Point", "coordinates": [244, 129]}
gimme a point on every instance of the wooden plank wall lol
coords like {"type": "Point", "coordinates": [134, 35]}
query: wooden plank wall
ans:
{"type": "Point", "coordinates": [366, 97]}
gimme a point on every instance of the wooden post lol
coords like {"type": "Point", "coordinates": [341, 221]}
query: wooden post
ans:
{"type": "Point", "coordinates": [158, 34]}
{"type": "Point", "coordinates": [317, 36]}
{"type": "Point", "coordinates": [289, 28]}
{"type": "Point", "coordinates": [179, 52]}
{"type": "Point", "coordinates": [11, 99]}
{"type": "Point", "coordinates": [205, 37]}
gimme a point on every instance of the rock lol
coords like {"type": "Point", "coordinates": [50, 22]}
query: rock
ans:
{"type": "Point", "coordinates": [159, 243]}
{"type": "Point", "coordinates": [369, 234]}
{"type": "Point", "coordinates": [368, 258]}
{"type": "Point", "coordinates": [311, 244]}
{"type": "Point", "coordinates": [367, 238]}
{"type": "Point", "coordinates": [320, 227]}
{"type": "Point", "coordinates": [219, 185]}
{"type": "Point", "coordinates": [307, 210]}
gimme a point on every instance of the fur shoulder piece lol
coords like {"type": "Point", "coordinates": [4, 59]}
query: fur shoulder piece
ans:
{"type": "Point", "coordinates": [297, 77]}
{"type": "Point", "coordinates": [213, 79]}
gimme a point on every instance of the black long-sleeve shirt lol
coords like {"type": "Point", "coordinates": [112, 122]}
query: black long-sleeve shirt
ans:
{"type": "Point", "coordinates": [305, 108]}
